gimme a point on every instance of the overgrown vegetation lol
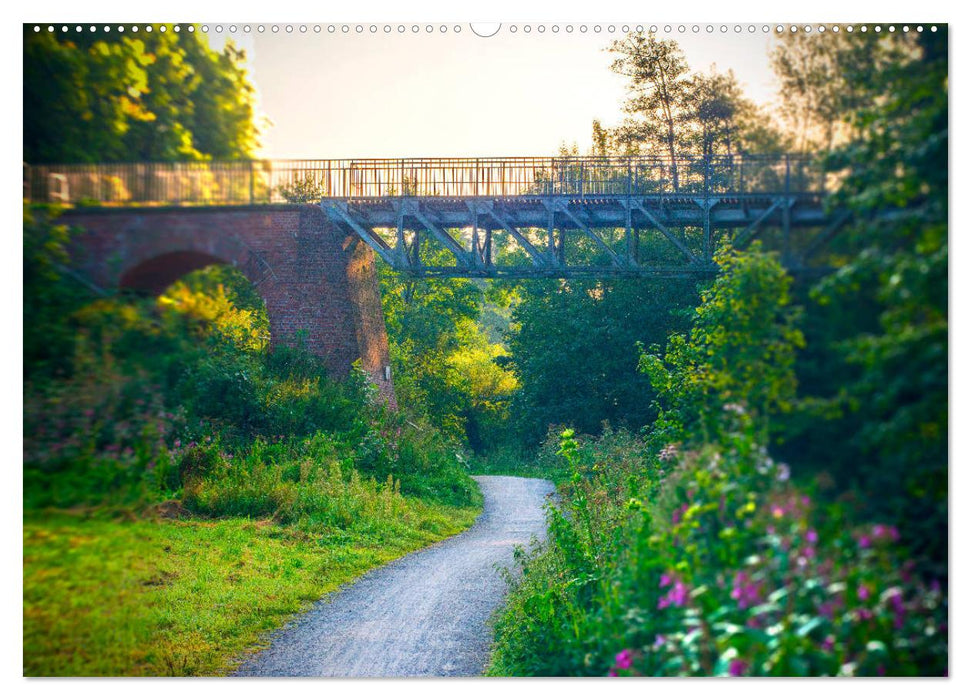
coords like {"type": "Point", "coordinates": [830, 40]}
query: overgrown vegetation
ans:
{"type": "Point", "coordinates": [702, 557]}
{"type": "Point", "coordinates": [694, 548]}
{"type": "Point", "coordinates": [178, 407]}
{"type": "Point", "coordinates": [753, 469]}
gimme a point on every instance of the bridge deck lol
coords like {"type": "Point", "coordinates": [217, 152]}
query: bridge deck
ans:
{"type": "Point", "coordinates": [482, 217]}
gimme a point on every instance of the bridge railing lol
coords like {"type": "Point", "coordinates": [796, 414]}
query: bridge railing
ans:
{"type": "Point", "coordinates": [277, 181]}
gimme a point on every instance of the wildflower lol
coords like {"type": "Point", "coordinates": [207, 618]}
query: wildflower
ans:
{"type": "Point", "coordinates": [784, 472]}
{"type": "Point", "coordinates": [665, 580]}
{"type": "Point", "coordinates": [864, 542]}
{"type": "Point", "coordinates": [737, 667]}
{"type": "Point", "coordinates": [812, 537]}
{"type": "Point", "coordinates": [745, 591]}
{"type": "Point", "coordinates": [896, 601]}
{"type": "Point", "coordinates": [659, 641]}
{"type": "Point", "coordinates": [735, 408]}
{"type": "Point", "coordinates": [623, 659]}
{"type": "Point", "coordinates": [178, 443]}
{"type": "Point", "coordinates": [862, 592]}
{"type": "Point", "coordinates": [828, 643]}
{"type": "Point", "coordinates": [885, 532]}
{"type": "Point", "coordinates": [669, 453]}
{"type": "Point", "coordinates": [676, 596]}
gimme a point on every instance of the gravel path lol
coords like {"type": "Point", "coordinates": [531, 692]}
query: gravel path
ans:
{"type": "Point", "coordinates": [425, 614]}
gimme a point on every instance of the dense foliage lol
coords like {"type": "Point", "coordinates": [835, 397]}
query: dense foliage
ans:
{"type": "Point", "coordinates": [574, 351]}
{"type": "Point", "coordinates": [877, 328]}
{"type": "Point", "coordinates": [96, 97]}
{"type": "Point", "coordinates": [703, 558]}
{"type": "Point", "coordinates": [182, 396]}
{"type": "Point", "coordinates": [444, 363]}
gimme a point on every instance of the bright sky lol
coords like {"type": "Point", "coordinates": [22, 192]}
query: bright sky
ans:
{"type": "Point", "coordinates": [456, 94]}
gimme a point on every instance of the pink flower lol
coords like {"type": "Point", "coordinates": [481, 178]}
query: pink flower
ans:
{"type": "Point", "coordinates": [828, 643]}
{"type": "Point", "coordinates": [665, 580]}
{"type": "Point", "coordinates": [737, 667]}
{"type": "Point", "coordinates": [623, 659]}
{"type": "Point", "coordinates": [864, 542]}
{"type": "Point", "coordinates": [659, 641]}
{"type": "Point", "coordinates": [745, 591]}
{"type": "Point", "coordinates": [812, 537]}
{"type": "Point", "coordinates": [676, 596]}
{"type": "Point", "coordinates": [896, 600]}
{"type": "Point", "coordinates": [862, 592]}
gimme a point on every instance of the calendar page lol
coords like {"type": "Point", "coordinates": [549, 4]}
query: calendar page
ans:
{"type": "Point", "coordinates": [454, 349]}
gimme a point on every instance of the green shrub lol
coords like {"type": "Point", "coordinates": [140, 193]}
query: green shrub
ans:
{"type": "Point", "coordinates": [710, 562]}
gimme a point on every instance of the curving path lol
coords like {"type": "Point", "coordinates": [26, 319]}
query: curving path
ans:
{"type": "Point", "coordinates": [425, 614]}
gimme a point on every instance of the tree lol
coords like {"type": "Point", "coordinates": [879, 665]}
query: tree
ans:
{"type": "Point", "coordinates": [817, 90]}
{"type": "Point", "coordinates": [896, 167]}
{"type": "Point", "coordinates": [741, 351]}
{"type": "Point", "coordinates": [444, 364]}
{"type": "Point", "coordinates": [114, 97]}
{"type": "Point", "coordinates": [658, 83]}
{"type": "Point", "coordinates": [574, 350]}
{"type": "Point", "coordinates": [679, 113]}
{"type": "Point", "coordinates": [716, 115]}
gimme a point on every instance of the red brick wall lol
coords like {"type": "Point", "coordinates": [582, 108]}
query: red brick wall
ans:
{"type": "Point", "coordinates": [313, 277]}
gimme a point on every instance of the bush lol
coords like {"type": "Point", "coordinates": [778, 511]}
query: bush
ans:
{"type": "Point", "coordinates": [710, 562]}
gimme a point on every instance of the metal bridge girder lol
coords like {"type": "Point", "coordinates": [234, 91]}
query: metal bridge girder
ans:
{"type": "Point", "coordinates": [560, 205]}
{"type": "Point", "coordinates": [744, 238]}
{"type": "Point", "coordinates": [537, 258]}
{"type": "Point", "coordinates": [340, 211]}
{"type": "Point", "coordinates": [412, 207]}
{"type": "Point", "coordinates": [678, 243]}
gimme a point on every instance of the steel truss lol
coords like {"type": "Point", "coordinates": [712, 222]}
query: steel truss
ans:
{"type": "Point", "coordinates": [541, 226]}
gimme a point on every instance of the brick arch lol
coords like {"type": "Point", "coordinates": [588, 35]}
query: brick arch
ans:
{"type": "Point", "coordinates": [156, 274]}
{"type": "Point", "coordinates": [316, 281]}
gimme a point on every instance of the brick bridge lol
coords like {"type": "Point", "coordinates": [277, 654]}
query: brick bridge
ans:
{"type": "Point", "coordinates": [313, 277]}
{"type": "Point", "coordinates": [146, 224]}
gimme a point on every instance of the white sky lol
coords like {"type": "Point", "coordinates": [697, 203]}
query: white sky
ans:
{"type": "Point", "coordinates": [456, 94]}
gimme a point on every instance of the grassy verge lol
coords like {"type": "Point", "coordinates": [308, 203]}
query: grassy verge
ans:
{"type": "Point", "coordinates": [505, 461]}
{"type": "Point", "coordinates": [188, 597]}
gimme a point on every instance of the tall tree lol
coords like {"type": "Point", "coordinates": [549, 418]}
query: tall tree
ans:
{"type": "Point", "coordinates": [881, 321]}
{"type": "Point", "coordinates": [115, 97]}
{"type": "Point", "coordinates": [574, 350]}
{"type": "Point", "coordinates": [816, 88]}
{"type": "Point", "coordinates": [658, 83]}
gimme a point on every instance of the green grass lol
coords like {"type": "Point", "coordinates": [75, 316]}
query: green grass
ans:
{"type": "Point", "coordinates": [104, 597]}
{"type": "Point", "coordinates": [511, 461]}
